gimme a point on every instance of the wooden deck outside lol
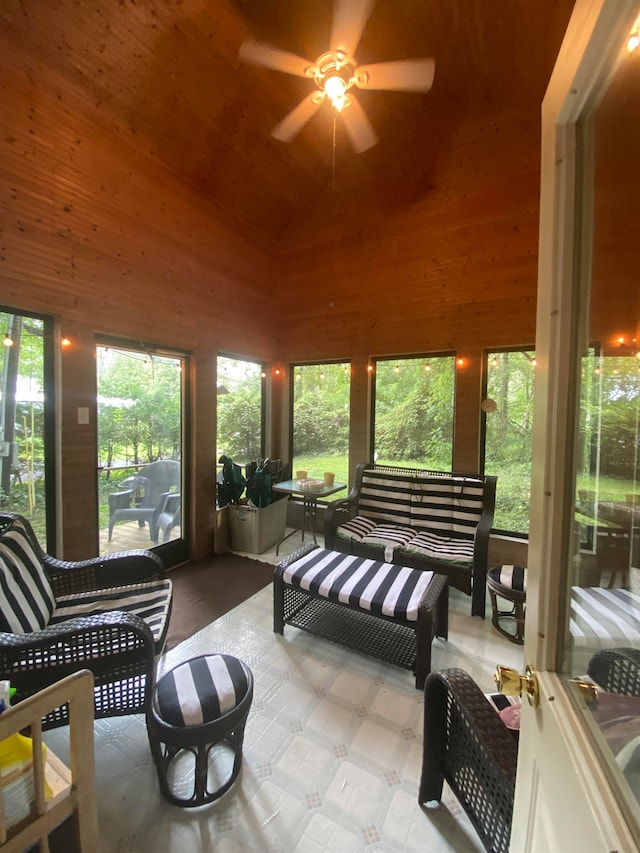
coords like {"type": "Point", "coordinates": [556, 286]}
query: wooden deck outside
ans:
{"type": "Point", "coordinates": [128, 535]}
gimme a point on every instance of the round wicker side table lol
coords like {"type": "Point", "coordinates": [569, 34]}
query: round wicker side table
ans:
{"type": "Point", "coordinates": [196, 725]}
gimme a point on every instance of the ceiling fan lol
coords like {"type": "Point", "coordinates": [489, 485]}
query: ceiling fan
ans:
{"type": "Point", "coordinates": [336, 74]}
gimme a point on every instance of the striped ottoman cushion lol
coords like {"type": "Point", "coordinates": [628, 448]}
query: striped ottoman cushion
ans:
{"type": "Point", "coordinates": [201, 690]}
{"type": "Point", "coordinates": [380, 588]}
{"type": "Point", "coordinates": [510, 577]}
{"type": "Point", "coordinates": [150, 601]}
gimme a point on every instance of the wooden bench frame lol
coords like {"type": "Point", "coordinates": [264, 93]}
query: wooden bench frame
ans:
{"type": "Point", "coordinates": [399, 641]}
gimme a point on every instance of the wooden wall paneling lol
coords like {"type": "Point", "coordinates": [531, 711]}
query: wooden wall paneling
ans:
{"type": "Point", "coordinates": [359, 415]}
{"type": "Point", "coordinates": [203, 525]}
{"type": "Point", "coordinates": [78, 501]}
{"type": "Point", "coordinates": [98, 234]}
{"type": "Point", "coordinates": [466, 437]}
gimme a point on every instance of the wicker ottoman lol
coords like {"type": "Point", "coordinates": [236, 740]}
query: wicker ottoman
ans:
{"type": "Point", "coordinates": [510, 583]}
{"type": "Point", "coordinates": [196, 727]}
{"type": "Point", "coordinates": [386, 611]}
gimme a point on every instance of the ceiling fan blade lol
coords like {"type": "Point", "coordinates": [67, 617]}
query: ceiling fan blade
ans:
{"type": "Point", "coordinates": [259, 53]}
{"type": "Point", "coordinates": [358, 127]}
{"type": "Point", "coordinates": [292, 123]}
{"type": "Point", "coordinates": [349, 18]}
{"type": "Point", "coordinates": [404, 75]}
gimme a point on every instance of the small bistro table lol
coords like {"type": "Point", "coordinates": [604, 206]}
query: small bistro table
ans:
{"type": "Point", "coordinates": [310, 503]}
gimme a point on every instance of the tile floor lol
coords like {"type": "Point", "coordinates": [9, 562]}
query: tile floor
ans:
{"type": "Point", "coordinates": [332, 750]}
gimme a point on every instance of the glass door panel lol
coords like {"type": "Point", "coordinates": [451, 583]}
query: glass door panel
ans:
{"type": "Point", "coordinates": [603, 606]}
{"type": "Point", "coordinates": [140, 452]}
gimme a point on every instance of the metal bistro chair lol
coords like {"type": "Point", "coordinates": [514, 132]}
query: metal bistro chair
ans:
{"type": "Point", "coordinates": [156, 482]}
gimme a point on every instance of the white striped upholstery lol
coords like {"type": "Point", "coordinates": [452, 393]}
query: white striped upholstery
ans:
{"type": "Point", "coordinates": [510, 577]}
{"type": "Point", "coordinates": [447, 504]}
{"type": "Point", "coordinates": [426, 515]}
{"type": "Point", "coordinates": [444, 548]}
{"type": "Point", "coordinates": [389, 537]}
{"type": "Point", "coordinates": [201, 690]}
{"type": "Point", "coordinates": [386, 497]}
{"type": "Point", "coordinates": [356, 528]}
{"type": "Point", "coordinates": [150, 601]}
{"type": "Point", "coordinates": [26, 597]}
{"type": "Point", "coordinates": [601, 619]}
{"type": "Point", "coordinates": [380, 588]}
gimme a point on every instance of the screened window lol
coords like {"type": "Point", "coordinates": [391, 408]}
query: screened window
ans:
{"type": "Point", "coordinates": [508, 413]}
{"type": "Point", "coordinates": [26, 420]}
{"type": "Point", "coordinates": [240, 409]}
{"type": "Point", "coordinates": [320, 426]}
{"type": "Point", "coordinates": [413, 418]}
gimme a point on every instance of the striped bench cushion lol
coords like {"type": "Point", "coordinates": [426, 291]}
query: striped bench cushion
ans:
{"type": "Point", "coordinates": [447, 504]}
{"type": "Point", "coordinates": [150, 601]}
{"type": "Point", "coordinates": [370, 585]}
{"type": "Point", "coordinates": [602, 619]}
{"type": "Point", "coordinates": [386, 497]}
{"type": "Point", "coordinates": [201, 690]}
{"type": "Point", "coordinates": [26, 598]}
{"type": "Point", "coordinates": [355, 529]}
{"type": "Point", "coordinates": [447, 549]}
{"type": "Point", "coordinates": [388, 537]}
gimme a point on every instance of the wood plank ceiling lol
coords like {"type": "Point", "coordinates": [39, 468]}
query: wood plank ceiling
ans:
{"type": "Point", "coordinates": [168, 72]}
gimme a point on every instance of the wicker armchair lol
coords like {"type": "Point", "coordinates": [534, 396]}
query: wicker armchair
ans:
{"type": "Point", "coordinates": [109, 615]}
{"type": "Point", "coordinates": [617, 670]}
{"type": "Point", "coordinates": [467, 744]}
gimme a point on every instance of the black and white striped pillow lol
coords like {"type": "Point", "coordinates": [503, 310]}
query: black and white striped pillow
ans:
{"type": "Point", "coordinates": [201, 690]}
{"type": "Point", "coordinates": [26, 597]}
{"type": "Point", "coordinates": [356, 528]}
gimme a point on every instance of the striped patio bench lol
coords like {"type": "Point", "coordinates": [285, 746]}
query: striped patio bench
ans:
{"type": "Point", "coordinates": [430, 520]}
{"type": "Point", "coordinates": [387, 611]}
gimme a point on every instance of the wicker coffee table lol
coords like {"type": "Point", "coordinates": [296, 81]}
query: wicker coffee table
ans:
{"type": "Point", "coordinates": [388, 612]}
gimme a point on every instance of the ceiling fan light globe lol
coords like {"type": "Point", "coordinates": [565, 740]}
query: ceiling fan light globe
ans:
{"type": "Point", "coordinates": [335, 87]}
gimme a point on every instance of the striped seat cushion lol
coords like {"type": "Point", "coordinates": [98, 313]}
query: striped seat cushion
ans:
{"type": "Point", "coordinates": [603, 619]}
{"type": "Point", "coordinates": [150, 601]}
{"type": "Point", "coordinates": [447, 549]}
{"type": "Point", "coordinates": [380, 588]}
{"type": "Point", "coordinates": [510, 577]}
{"type": "Point", "coordinates": [26, 597]}
{"type": "Point", "coordinates": [388, 537]}
{"type": "Point", "coordinates": [201, 690]}
{"type": "Point", "coordinates": [356, 528]}
{"type": "Point", "coordinates": [385, 497]}
{"type": "Point", "coordinates": [447, 504]}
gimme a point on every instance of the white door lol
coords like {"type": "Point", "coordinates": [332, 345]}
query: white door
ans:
{"type": "Point", "coordinates": [571, 794]}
